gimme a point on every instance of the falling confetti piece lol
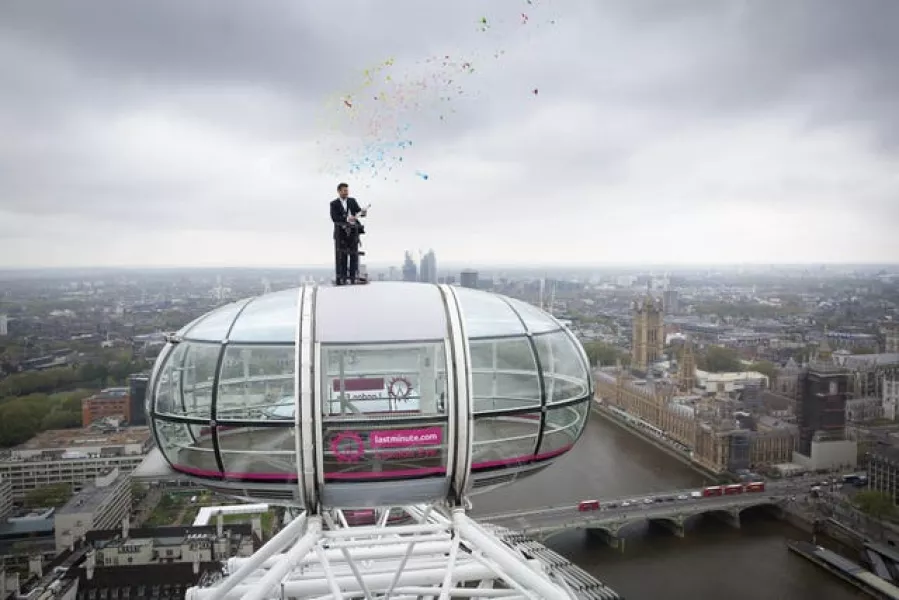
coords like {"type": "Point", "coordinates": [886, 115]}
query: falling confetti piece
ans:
{"type": "Point", "coordinates": [536, 91]}
{"type": "Point", "coordinates": [347, 103]}
{"type": "Point", "coordinates": [524, 19]}
{"type": "Point", "coordinates": [422, 174]}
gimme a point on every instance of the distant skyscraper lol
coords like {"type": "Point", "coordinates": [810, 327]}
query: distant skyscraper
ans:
{"type": "Point", "coordinates": [469, 279]}
{"type": "Point", "coordinates": [670, 302]}
{"type": "Point", "coordinates": [137, 394]}
{"type": "Point", "coordinates": [410, 271]}
{"type": "Point", "coordinates": [4, 325]}
{"type": "Point", "coordinates": [428, 271]}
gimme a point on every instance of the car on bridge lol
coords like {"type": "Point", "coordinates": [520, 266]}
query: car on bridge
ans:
{"type": "Point", "coordinates": [586, 505]}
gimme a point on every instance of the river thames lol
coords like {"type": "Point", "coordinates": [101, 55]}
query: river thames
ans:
{"type": "Point", "coordinates": [712, 561]}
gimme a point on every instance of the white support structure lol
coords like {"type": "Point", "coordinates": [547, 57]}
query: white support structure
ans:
{"type": "Point", "coordinates": [433, 554]}
{"type": "Point", "coordinates": [207, 512]}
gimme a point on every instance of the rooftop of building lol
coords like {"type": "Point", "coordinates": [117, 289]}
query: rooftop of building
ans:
{"type": "Point", "coordinates": [856, 361]}
{"type": "Point", "coordinates": [775, 401]}
{"type": "Point", "coordinates": [26, 527]}
{"type": "Point", "coordinates": [774, 423]}
{"type": "Point", "coordinates": [172, 536]}
{"type": "Point", "coordinates": [73, 438]}
{"type": "Point", "coordinates": [822, 367]}
{"type": "Point", "coordinates": [730, 376]}
{"type": "Point", "coordinates": [109, 393]}
{"type": "Point", "coordinates": [884, 451]}
{"type": "Point", "coordinates": [168, 531]}
{"type": "Point", "coordinates": [90, 498]}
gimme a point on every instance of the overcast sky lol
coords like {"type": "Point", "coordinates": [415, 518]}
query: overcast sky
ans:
{"type": "Point", "coordinates": [207, 132]}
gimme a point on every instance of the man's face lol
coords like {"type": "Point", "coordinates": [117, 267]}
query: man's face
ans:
{"type": "Point", "coordinates": [344, 192]}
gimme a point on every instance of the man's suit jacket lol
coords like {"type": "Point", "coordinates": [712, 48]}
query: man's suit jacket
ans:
{"type": "Point", "coordinates": [339, 215]}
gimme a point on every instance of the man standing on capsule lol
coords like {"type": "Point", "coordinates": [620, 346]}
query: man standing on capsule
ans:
{"type": "Point", "coordinates": [344, 211]}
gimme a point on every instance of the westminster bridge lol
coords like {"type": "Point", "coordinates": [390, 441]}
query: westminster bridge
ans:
{"type": "Point", "coordinates": [670, 510]}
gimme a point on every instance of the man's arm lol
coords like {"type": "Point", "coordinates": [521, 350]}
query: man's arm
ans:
{"type": "Point", "coordinates": [336, 213]}
{"type": "Point", "coordinates": [354, 209]}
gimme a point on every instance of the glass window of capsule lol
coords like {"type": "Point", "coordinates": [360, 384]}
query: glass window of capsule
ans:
{"type": "Point", "coordinates": [530, 384]}
{"type": "Point", "coordinates": [227, 410]}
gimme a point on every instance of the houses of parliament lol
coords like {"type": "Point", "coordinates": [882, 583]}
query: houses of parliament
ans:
{"type": "Point", "coordinates": [703, 422]}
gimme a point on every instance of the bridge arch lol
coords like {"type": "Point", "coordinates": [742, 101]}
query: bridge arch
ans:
{"type": "Point", "coordinates": [758, 506]}
{"type": "Point", "coordinates": [732, 515]}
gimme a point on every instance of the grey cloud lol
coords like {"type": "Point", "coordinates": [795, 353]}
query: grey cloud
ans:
{"type": "Point", "coordinates": [753, 55]}
{"type": "Point", "coordinates": [259, 70]}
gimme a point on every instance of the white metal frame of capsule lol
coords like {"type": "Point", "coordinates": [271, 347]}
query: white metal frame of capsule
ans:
{"type": "Point", "coordinates": [319, 557]}
{"type": "Point", "coordinates": [308, 417]}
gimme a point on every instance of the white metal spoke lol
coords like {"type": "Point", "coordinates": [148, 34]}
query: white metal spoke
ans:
{"type": "Point", "coordinates": [332, 580]}
{"type": "Point", "coordinates": [448, 579]}
{"type": "Point", "coordinates": [431, 557]}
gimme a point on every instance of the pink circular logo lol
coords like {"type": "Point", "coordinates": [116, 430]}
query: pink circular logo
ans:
{"type": "Point", "coordinates": [347, 446]}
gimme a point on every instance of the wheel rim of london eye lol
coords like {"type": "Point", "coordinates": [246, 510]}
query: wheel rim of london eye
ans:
{"type": "Point", "coordinates": [359, 396]}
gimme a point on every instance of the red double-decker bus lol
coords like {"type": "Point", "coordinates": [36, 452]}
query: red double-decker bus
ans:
{"type": "Point", "coordinates": [755, 486]}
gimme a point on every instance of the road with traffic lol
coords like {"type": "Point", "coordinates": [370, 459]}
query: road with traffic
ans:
{"type": "Point", "coordinates": [675, 503]}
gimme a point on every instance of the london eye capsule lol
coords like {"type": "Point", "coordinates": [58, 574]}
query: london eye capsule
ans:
{"type": "Point", "coordinates": [360, 396]}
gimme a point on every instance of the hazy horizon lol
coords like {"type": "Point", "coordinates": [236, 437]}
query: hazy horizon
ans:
{"type": "Point", "coordinates": [449, 267]}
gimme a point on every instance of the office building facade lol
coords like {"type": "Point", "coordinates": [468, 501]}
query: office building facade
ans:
{"type": "Point", "coordinates": [137, 399]}
{"type": "Point", "coordinates": [113, 403]}
{"type": "Point", "coordinates": [102, 504]}
{"type": "Point", "coordinates": [74, 457]}
{"type": "Point", "coordinates": [469, 279]}
{"type": "Point", "coordinates": [823, 391]}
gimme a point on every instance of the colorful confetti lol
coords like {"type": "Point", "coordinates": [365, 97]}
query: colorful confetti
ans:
{"type": "Point", "coordinates": [368, 128]}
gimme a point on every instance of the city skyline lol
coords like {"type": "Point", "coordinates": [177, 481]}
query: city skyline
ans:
{"type": "Point", "coordinates": [587, 134]}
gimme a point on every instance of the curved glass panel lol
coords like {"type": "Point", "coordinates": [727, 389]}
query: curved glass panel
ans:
{"type": "Point", "coordinates": [185, 383]}
{"type": "Point", "coordinates": [487, 315]}
{"type": "Point", "coordinates": [256, 383]}
{"type": "Point", "coordinates": [269, 318]}
{"type": "Point", "coordinates": [259, 453]}
{"type": "Point", "coordinates": [186, 328]}
{"type": "Point", "coordinates": [388, 312]}
{"type": "Point", "coordinates": [504, 440]}
{"type": "Point", "coordinates": [397, 380]}
{"type": "Point", "coordinates": [384, 411]}
{"type": "Point", "coordinates": [188, 447]}
{"type": "Point", "coordinates": [564, 373]}
{"type": "Point", "coordinates": [536, 320]}
{"type": "Point", "coordinates": [563, 427]}
{"type": "Point", "coordinates": [215, 325]}
{"type": "Point", "coordinates": [504, 375]}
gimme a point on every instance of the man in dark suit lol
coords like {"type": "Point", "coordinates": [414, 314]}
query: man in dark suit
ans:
{"type": "Point", "coordinates": [344, 210]}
